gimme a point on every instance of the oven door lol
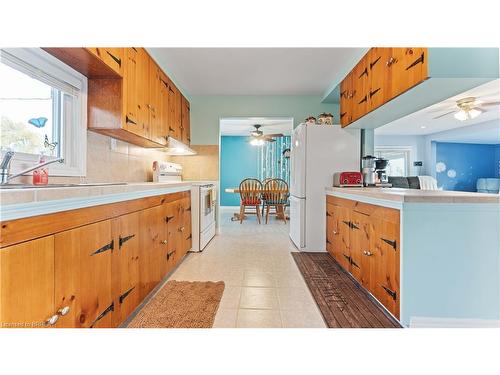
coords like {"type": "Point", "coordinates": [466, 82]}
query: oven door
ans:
{"type": "Point", "coordinates": [207, 209]}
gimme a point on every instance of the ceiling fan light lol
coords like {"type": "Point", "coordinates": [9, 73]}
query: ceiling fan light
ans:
{"type": "Point", "coordinates": [257, 142]}
{"type": "Point", "coordinates": [473, 113]}
{"type": "Point", "coordinates": [461, 115]}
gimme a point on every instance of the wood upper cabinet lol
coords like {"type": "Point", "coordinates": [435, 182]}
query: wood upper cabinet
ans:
{"type": "Point", "coordinates": [408, 67]}
{"type": "Point", "coordinates": [125, 267]}
{"type": "Point", "coordinates": [129, 96]}
{"type": "Point", "coordinates": [83, 258]}
{"type": "Point", "coordinates": [185, 121]}
{"type": "Point", "coordinates": [27, 284]}
{"type": "Point", "coordinates": [380, 76]}
{"type": "Point", "coordinates": [112, 57]}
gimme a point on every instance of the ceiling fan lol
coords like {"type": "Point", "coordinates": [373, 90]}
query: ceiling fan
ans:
{"type": "Point", "coordinates": [468, 108]}
{"type": "Point", "coordinates": [258, 136]}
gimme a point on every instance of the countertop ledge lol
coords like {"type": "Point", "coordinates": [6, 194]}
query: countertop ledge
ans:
{"type": "Point", "coordinates": [399, 196]}
{"type": "Point", "coordinates": [22, 203]}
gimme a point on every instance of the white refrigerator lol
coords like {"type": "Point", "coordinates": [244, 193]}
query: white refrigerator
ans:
{"type": "Point", "coordinates": [318, 151]}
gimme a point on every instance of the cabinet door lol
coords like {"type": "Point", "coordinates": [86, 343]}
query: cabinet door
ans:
{"type": "Point", "coordinates": [387, 257]}
{"type": "Point", "coordinates": [174, 104]}
{"type": "Point", "coordinates": [185, 121]}
{"type": "Point", "coordinates": [346, 91]}
{"type": "Point", "coordinates": [83, 258]}
{"type": "Point", "coordinates": [154, 106]}
{"type": "Point", "coordinates": [361, 260]}
{"type": "Point", "coordinates": [27, 284]}
{"type": "Point", "coordinates": [330, 228]}
{"type": "Point", "coordinates": [153, 241]}
{"type": "Point", "coordinates": [380, 78]}
{"type": "Point", "coordinates": [125, 266]}
{"type": "Point", "coordinates": [112, 57]}
{"type": "Point", "coordinates": [361, 81]}
{"type": "Point", "coordinates": [174, 237]}
{"type": "Point", "coordinates": [143, 61]}
{"type": "Point", "coordinates": [130, 93]}
{"type": "Point", "coordinates": [408, 67]}
{"type": "Point", "coordinates": [342, 238]}
{"type": "Point", "coordinates": [162, 130]}
{"type": "Point", "coordinates": [185, 227]}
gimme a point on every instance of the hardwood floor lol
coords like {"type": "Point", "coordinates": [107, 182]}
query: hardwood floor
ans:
{"type": "Point", "coordinates": [341, 300]}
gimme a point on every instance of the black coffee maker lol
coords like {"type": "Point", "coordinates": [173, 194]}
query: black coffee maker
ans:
{"type": "Point", "coordinates": [380, 165]}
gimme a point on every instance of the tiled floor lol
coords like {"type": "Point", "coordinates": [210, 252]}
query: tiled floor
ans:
{"type": "Point", "coordinates": [264, 287]}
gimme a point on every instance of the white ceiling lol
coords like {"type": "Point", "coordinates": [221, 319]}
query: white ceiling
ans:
{"type": "Point", "coordinates": [422, 122]}
{"type": "Point", "coordinates": [254, 71]}
{"type": "Point", "coordinates": [242, 126]}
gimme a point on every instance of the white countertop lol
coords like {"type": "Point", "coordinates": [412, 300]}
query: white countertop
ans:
{"type": "Point", "coordinates": [398, 196]}
{"type": "Point", "coordinates": [21, 203]}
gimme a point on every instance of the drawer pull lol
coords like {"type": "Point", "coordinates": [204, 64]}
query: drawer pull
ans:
{"type": "Point", "coordinates": [103, 314]}
{"type": "Point", "coordinates": [117, 59]}
{"type": "Point", "coordinates": [189, 237]}
{"type": "Point", "coordinates": [122, 240]}
{"type": "Point", "coordinates": [124, 295]}
{"type": "Point", "coordinates": [392, 293]}
{"type": "Point", "coordinates": [128, 120]}
{"type": "Point", "coordinates": [107, 247]}
{"type": "Point", "coordinates": [420, 60]}
{"type": "Point", "coordinates": [63, 310]}
{"type": "Point", "coordinates": [52, 320]}
{"type": "Point", "coordinates": [389, 242]}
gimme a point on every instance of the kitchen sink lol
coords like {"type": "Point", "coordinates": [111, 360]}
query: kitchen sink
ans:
{"type": "Point", "coordinates": [29, 186]}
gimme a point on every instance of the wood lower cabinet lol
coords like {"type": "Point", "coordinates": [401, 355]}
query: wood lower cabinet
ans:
{"type": "Point", "coordinates": [364, 240]}
{"type": "Point", "coordinates": [27, 284]}
{"type": "Point", "coordinates": [93, 266]}
{"type": "Point", "coordinates": [83, 258]}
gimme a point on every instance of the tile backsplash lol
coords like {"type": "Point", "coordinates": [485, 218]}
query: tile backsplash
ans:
{"type": "Point", "coordinates": [202, 166]}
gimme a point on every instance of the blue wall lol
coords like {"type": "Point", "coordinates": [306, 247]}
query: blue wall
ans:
{"type": "Point", "coordinates": [464, 163]}
{"type": "Point", "coordinates": [497, 161]}
{"type": "Point", "coordinates": [238, 160]}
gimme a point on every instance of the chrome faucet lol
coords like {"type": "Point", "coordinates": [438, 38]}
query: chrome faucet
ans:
{"type": "Point", "coordinates": [5, 175]}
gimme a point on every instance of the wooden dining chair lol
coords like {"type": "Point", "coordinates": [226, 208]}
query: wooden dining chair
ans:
{"type": "Point", "coordinates": [263, 196]}
{"type": "Point", "coordinates": [276, 195]}
{"type": "Point", "coordinates": [250, 196]}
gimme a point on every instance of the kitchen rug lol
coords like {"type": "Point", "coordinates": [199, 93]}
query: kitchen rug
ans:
{"type": "Point", "coordinates": [181, 304]}
{"type": "Point", "coordinates": [342, 302]}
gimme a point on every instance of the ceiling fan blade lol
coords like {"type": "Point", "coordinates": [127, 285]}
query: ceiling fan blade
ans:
{"type": "Point", "coordinates": [274, 135]}
{"type": "Point", "coordinates": [444, 114]}
{"type": "Point", "coordinates": [488, 104]}
{"type": "Point", "coordinates": [270, 139]}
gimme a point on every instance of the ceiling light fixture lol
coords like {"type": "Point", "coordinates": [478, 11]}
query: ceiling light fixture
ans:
{"type": "Point", "coordinates": [467, 114]}
{"type": "Point", "coordinates": [423, 127]}
{"type": "Point", "coordinates": [257, 142]}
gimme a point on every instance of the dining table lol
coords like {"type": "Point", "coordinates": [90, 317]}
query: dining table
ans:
{"type": "Point", "coordinates": [236, 215]}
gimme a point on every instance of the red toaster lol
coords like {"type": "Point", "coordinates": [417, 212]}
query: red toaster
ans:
{"type": "Point", "coordinates": [342, 179]}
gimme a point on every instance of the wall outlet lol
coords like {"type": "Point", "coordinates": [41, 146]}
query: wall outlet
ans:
{"type": "Point", "coordinates": [417, 163]}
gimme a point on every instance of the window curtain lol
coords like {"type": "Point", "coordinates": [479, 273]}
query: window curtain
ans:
{"type": "Point", "coordinates": [272, 163]}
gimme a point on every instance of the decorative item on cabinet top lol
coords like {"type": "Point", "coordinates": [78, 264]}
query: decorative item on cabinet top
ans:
{"type": "Point", "coordinates": [323, 119]}
{"type": "Point", "coordinates": [380, 76]}
{"type": "Point", "coordinates": [130, 97]}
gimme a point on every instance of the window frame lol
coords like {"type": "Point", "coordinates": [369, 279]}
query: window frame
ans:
{"type": "Point", "coordinates": [73, 138]}
{"type": "Point", "coordinates": [403, 149]}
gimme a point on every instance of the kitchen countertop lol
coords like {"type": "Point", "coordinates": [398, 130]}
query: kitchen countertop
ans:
{"type": "Point", "coordinates": [21, 203]}
{"type": "Point", "coordinates": [398, 196]}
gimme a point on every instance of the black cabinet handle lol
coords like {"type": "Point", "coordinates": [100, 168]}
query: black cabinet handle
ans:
{"type": "Point", "coordinates": [168, 218]}
{"type": "Point", "coordinates": [103, 314]}
{"type": "Point", "coordinates": [343, 114]}
{"type": "Point", "coordinates": [392, 293]}
{"type": "Point", "coordinates": [389, 242]}
{"type": "Point", "coordinates": [128, 120]}
{"type": "Point", "coordinates": [372, 64]}
{"type": "Point", "coordinates": [107, 247]}
{"type": "Point", "coordinates": [374, 92]}
{"type": "Point", "coordinates": [170, 254]}
{"type": "Point", "coordinates": [124, 295]}
{"type": "Point", "coordinates": [354, 263]}
{"type": "Point", "coordinates": [117, 59]}
{"type": "Point", "coordinates": [347, 257]}
{"type": "Point", "coordinates": [365, 98]}
{"type": "Point", "coordinates": [354, 226]}
{"type": "Point", "coordinates": [420, 60]}
{"type": "Point", "coordinates": [122, 240]}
